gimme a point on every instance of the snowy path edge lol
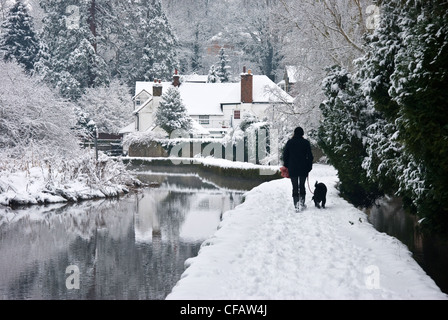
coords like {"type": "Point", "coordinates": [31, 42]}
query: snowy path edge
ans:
{"type": "Point", "coordinates": [262, 250]}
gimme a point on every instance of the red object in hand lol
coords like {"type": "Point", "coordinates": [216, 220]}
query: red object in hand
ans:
{"type": "Point", "coordinates": [285, 172]}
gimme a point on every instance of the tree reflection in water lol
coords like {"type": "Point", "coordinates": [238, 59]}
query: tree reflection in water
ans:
{"type": "Point", "coordinates": [128, 248]}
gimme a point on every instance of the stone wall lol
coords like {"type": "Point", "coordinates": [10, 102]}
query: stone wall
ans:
{"type": "Point", "coordinates": [150, 150]}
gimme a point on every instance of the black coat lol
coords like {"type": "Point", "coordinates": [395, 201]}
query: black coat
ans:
{"type": "Point", "coordinates": [297, 157]}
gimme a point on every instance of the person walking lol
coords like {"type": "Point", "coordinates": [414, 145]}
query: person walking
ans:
{"type": "Point", "coordinates": [298, 158]}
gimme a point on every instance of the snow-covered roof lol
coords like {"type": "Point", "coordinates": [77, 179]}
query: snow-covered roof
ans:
{"type": "Point", "coordinates": [142, 106]}
{"type": "Point", "coordinates": [266, 91]}
{"type": "Point", "coordinates": [138, 92]}
{"type": "Point", "coordinates": [292, 72]}
{"type": "Point", "coordinates": [128, 129]}
{"type": "Point", "coordinates": [296, 73]}
{"type": "Point", "coordinates": [197, 78]}
{"type": "Point", "coordinates": [207, 98]}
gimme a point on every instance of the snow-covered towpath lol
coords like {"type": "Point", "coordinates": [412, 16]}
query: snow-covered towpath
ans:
{"type": "Point", "coordinates": [264, 250]}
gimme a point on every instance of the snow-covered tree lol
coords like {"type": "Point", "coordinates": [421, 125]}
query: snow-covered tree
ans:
{"type": "Point", "coordinates": [196, 59]}
{"type": "Point", "coordinates": [223, 69]}
{"type": "Point", "coordinates": [385, 125]}
{"type": "Point", "coordinates": [154, 54]}
{"type": "Point", "coordinates": [72, 62]}
{"type": "Point", "coordinates": [107, 106]}
{"type": "Point", "coordinates": [4, 7]}
{"type": "Point", "coordinates": [213, 75]}
{"type": "Point", "coordinates": [32, 116]}
{"type": "Point", "coordinates": [263, 44]}
{"type": "Point", "coordinates": [341, 135]}
{"type": "Point", "coordinates": [85, 127]}
{"type": "Point", "coordinates": [248, 119]}
{"type": "Point", "coordinates": [405, 74]}
{"type": "Point", "coordinates": [172, 114]}
{"type": "Point", "coordinates": [18, 39]}
{"type": "Point", "coordinates": [316, 35]}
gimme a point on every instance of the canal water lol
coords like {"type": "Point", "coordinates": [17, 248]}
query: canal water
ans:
{"type": "Point", "coordinates": [430, 251]}
{"type": "Point", "coordinates": [134, 247]}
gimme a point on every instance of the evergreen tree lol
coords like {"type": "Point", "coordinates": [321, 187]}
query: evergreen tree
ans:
{"type": "Point", "coordinates": [72, 62]}
{"type": "Point", "coordinates": [154, 45]}
{"type": "Point", "coordinates": [109, 24]}
{"type": "Point", "coordinates": [345, 121]}
{"type": "Point", "coordinates": [18, 39]}
{"type": "Point", "coordinates": [405, 75]}
{"type": "Point", "coordinates": [422, 97]}
{"type": "Point", "coordinates": [223, 69]}
{"type": "Point", "coordinates": [213, 75]}
{"type": "Point", "coordinates": [386, 157]}
{"type": "Point", "coordinates": [196, 60]}
{"type": "Point", "coordinates": [171, 114]}
{"type": "Point", "coordinates": [85, 126]}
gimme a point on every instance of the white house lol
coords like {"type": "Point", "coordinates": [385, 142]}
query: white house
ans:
{"type": "Point", "coordinates": [214, 107]}
{"type": "Point", "coordinates": [292, 77]}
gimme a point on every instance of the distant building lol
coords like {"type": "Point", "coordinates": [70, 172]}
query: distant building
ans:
{"type": "Point", "coordinates": [291, 77]}
{"type": "Point", "coordinates": [214, 107]}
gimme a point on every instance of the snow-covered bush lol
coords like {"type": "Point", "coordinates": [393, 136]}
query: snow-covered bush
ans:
{"type": "Point", "coordinates": [62, 179]}
{"type": "Point", "coordinates": [108, 106]}
{"type": "Point", "coordinates": [33, 117]}
{"type": "Point", "coordinates": [40, 157]}
{"type": "Point", "coordinates": [247, 119]}
{"type": "Point", "coordinates": [142, 138]}
{"type": "Point", "coordinates": [342, 135]}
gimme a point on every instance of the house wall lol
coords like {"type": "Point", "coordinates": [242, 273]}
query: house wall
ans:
{"type": "Point", "coordinates": [146, 116]}
{"type": "Point", "coordinates": [142, 97]}
{"type": "Point", "coordinates": [228, 111]}
{"type": "Point", "coordinates": [258, 110]}
{"type": "Point", "coordinates": [214, 121]}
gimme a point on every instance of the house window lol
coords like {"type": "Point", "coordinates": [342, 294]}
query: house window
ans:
{"type": "Point", "coordinates": [237, 114]}
{"type": "Point", "coordinates": [138, 102]}
{"type": "Point", "coordinates": [204, 119]}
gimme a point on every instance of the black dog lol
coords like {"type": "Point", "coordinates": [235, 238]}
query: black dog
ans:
{"type": "Point", "coordinates": [320, 194]}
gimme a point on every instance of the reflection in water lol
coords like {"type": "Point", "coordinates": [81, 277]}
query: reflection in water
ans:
{"type": "Point", "coordinates": [131, 248]}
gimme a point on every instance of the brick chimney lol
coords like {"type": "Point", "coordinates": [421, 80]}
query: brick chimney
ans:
{"type": "Point", "coordinates": [157, 88]}
{"type": "Point", "coordinates": [247, 85]}
{"type": "Point", "coordinates": [176, 79]}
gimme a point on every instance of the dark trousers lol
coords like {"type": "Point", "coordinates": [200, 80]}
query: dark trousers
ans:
{"type": "Point", "coordinates": [298, 186]}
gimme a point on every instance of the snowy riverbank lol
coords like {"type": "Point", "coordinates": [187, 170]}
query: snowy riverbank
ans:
{"type": "Point", "coordinates": [71, 180]}
{"type": "Point", "coordinates": [263, 250]}
{"type": "Point", "coordinates": [210, 162]}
